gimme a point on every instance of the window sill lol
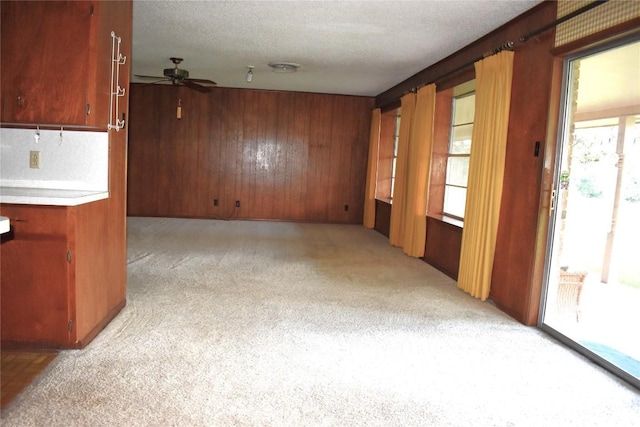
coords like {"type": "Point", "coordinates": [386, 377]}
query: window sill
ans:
{"type": "Point", "coordinates": [447, 220]}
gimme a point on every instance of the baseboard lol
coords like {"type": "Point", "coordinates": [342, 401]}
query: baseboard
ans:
{"type": "Point", "coordinates": [100, 326]}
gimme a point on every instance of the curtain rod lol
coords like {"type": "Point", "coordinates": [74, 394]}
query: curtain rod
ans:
{"type": "Point", "coordinates": [524, 38]}
{"type": "Point", "coordinates": [559, 21]}
{"type": "Point", "coordinates": [507, 46]}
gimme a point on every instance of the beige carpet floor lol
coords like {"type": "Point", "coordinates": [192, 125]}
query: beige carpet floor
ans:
{"type": "Point", "coordinates": [280, 324]}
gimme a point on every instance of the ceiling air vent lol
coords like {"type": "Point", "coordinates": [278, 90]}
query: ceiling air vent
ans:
{"type": "Point", "coordinates": [284, 67]}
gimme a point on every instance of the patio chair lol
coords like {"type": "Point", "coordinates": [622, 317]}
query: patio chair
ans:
{"type": "Point", "coordinates": [569, 291]}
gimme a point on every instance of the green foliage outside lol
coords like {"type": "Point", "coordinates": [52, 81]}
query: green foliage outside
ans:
{"type": "Point", "coordinates": [594, 161]}
{"type": "Point", "coordinates": [593, 181]}
{"type": "Point", "coordinates": [589, 188]}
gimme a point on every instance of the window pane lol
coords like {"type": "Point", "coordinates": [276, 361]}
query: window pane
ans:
{"type": "Point", "coordinates": [397, 135]}
{"type": "Point", "coordinates": [457, 174]}
{"type": "Point", "coordinates": [461, 139]}
{"type": "Point", "coordinates": [464, 109]}
{"type": "Point", "coordinates": [457, 171]}
{"type": "Point", "coordinates": [454, 201]}
{"type": "Point", "coordinates": [393, 183]}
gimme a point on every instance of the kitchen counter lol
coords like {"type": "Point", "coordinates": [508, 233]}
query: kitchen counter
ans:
{"type": "Point", "coordinates": [48, 196]}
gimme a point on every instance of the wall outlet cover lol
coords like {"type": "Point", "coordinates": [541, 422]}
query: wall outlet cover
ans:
{"type": "Point", "coordinates": [34, 159]}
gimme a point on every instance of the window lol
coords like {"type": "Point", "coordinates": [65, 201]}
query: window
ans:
{"type": "Point", "coordinates": [395, 152]}
{"type": "Point", "coordinates": [387, 153]}
{"type": "Point", "coordinates": [455, 190]}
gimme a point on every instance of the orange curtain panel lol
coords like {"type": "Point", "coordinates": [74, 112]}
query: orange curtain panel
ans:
{"type": "Point", "coordinates": [418, 168]}
{"type": "Point", "coordinates": [397, 226]}
{"type": "Point", "coordinates": [486, 171]}
{"type": "Point", "coordinates": [369, 219]}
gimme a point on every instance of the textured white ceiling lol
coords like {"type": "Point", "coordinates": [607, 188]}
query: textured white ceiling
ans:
{"type": "Point", "coordinates": [346, 47]}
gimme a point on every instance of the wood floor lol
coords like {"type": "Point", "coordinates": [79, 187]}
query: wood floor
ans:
{"type": "Point", "coordinates": [18, 369]}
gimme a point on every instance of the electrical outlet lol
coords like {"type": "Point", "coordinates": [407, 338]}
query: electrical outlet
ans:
{"type": "Point", "coordinates": [237, 203]}
{"type": "Point", "coordinates": [346, 208]}
{"type": "Point", "coordinates": [215, 202]}
{"type": "Point", "coordinates": [34, 159]}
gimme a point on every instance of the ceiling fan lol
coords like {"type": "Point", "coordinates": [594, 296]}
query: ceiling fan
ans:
{"type": "Point", "coordinates": [179, 76]}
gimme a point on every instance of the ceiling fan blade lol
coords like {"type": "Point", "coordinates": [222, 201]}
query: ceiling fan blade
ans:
{"type": "Point", "coordinates": [204, 81]}
{"type": "Point", "coordinates": [190, 84]}
{"type": "Point", "coordinates": [162, 81]}
{"type": "Point", "coordinates": [149, 77]}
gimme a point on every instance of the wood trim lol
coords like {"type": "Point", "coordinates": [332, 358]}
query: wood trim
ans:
{"type": "Point", "coordinates": [81, 343]}
{"type": "Point", "coordinates": [92, 276]}
{"type": "Point", "coordinates": [515, 314]}
{"type": "Point", "coordinates": [392, 106]}
{"type": "Point", "coordinates": [548, 154]}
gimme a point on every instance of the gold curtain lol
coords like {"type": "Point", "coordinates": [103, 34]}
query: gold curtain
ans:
{"type": "Point", "coordinates": [372, 171]}
{"type": "Point", "coordinates": [397, 226]}
{"type": "Point", "coordinates": [418, 168]}
{"type": "Point", "coordinates": [486, 171]}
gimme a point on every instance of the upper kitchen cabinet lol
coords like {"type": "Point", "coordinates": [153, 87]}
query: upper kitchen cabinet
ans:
{"type": "Point", "coordinates": [57, 58]}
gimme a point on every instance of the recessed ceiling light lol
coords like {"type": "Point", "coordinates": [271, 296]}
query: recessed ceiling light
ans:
{"type": "Point", "coordinates": [284, 67]}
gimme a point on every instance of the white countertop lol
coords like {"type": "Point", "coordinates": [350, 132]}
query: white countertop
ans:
{"type": "Point", "coordinates": [4, 225]}
{"type": "Point", "coordinates": [49, 196]}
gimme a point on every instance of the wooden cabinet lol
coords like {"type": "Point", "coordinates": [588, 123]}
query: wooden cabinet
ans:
{"type": "Point", "coordinates": [63, 276]}
{"type": "Point", "coordinates": [56, 61]}
{"type": "Point", "coordinates": [35, 275]}
{"type": "Point", "coordinates": [54, 294]}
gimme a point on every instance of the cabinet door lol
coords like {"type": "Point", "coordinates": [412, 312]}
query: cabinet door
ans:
{"type": "Point", "coordinates": [34, 287]}
{"type": "Point", "coordinates": [45, 49]}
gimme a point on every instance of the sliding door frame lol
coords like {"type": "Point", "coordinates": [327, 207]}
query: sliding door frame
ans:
{"type": "Point", "coordinates": [560, 97]}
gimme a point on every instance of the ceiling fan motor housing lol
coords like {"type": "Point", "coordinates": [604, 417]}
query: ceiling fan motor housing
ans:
{"type": "Point", "coordinates": [176, 73]}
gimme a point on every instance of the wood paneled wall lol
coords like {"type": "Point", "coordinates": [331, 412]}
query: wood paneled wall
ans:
{"type": "Point", "coordinates": [442, 246]}
{"type": "Point", "coordinates": [282, 155]}
{"type": "Point", "coordinates": [440, 151]}
{"type": "Point", "coordinates": [383, 217]}
{"type": "Point", "coordinates": [512, 286]}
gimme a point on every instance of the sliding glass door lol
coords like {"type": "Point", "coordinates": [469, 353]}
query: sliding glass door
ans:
{"type": "Point", "coordinates": [592, 292]}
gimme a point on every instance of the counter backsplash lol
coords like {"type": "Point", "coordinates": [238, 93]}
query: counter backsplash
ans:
{"type": "Point", "coordinates": [69, 160]}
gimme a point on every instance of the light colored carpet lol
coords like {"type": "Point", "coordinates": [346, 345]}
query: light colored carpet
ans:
{"type": "Point", "coordinates": [281, 324]}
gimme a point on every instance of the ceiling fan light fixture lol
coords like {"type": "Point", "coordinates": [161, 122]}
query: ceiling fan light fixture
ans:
{"type": "Point", "coordinates": [176, 73]}
{"type": "Point", "coordinates": [284, 67]}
